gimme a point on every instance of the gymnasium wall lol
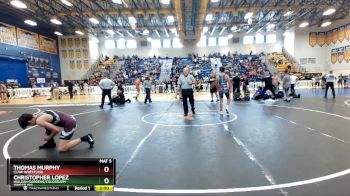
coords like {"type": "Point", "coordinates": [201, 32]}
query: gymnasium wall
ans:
{"type": "Point", "coordinates": [184, 51]}
{"type": "Point", "coordinates": [75, 56]}
{"type": "Point", "coordinates": [315, 55]}
{"type": "Point", "coordinates": [25, 50]}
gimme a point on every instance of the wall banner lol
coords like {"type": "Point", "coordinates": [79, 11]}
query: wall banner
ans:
{"type": "Point", "coordinates": [335, 36]}
{"type": "Point", "coordinates": [321, 38]}
{"type": "Point", "coordinates": [334, 56]}
{"type": "Point", "coordinates": [86, 64]}
{"type": "Point", "coordinates": [27, 39]}
{"type": "Point", "coordinates": [8, 34]}
{"type": "Point", "coordinates": [341, 33]}
{"type": "Point", "coordinates": [328, 37]}
{"type": "Point", "coordinates": [77, 42]}
{"type": "Point", "coordinates": [313, 38]}
{"type": "Point", "coordinates": [79, 64]}
{"type": "Point", "coordinates": [47, 45]}
{"type": "Point", "coordinates": [70, 42]}
{"type": "Point", "coordinates": [347, 54]}
{"type": "Point", "coordinates": [72, 64]}
{"type": "Point", "coordinates": [340, 54]}
{"type": "Point", "coordinates": [63, 43]}
{"type": "Point", "coordinates": [347, 32]}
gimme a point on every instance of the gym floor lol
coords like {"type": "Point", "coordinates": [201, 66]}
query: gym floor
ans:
{"type": "Point", "coordinates": [267, 148]}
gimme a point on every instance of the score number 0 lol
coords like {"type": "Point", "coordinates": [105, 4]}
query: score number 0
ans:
{"type": "Point", "coordinates": [106, 170]}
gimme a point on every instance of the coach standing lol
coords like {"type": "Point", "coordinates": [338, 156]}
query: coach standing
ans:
{"type": "Point", "coordinates": [106, 86]}
{"type": "Point", "coordinates": [185, 82]}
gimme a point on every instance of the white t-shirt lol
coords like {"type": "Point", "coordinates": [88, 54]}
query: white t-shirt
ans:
{"type": "Point", "coordinates": [330, 78]}
{"type": "Point", "coordinates": [293, 79]}
{"type": "Point", "coordinates": [106, 83]}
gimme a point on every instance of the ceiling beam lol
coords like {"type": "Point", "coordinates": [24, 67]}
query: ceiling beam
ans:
{"type": "Point", "coordinates": [126, 12]}
{"type": "Point", "coordinates": [178, 12]}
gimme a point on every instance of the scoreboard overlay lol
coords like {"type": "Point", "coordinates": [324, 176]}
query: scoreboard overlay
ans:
{"type": "Point", "coordinates": [61, 175]}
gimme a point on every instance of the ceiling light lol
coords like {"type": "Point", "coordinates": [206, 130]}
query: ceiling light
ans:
{"type": "Point", "coordinates": [233, 28]}
{"type": "Point", "coordinates": [250, 21]}
{"type": "Point", "coordinates": [270, 26]}
{"type": "Point", "coordinates": [94, 21]}
{"type": "Point", "coordinates": [79, 32]}
{"type": "Point", "coordinates": [55, 21]}
{"type": "Point", "coordinates": [248, 15]}
{"type": "Point", "coordinates": [132, 20]}
{"type": "Point", "coordinates": [58, 33]}
{"type": "Point", "coordinates": [329, 11]}
{"type": "Point", "coordinates": [171, 18]}
{"type": "Point", "coordinates": [166, 2]}
{"type": "Point", "coordinates": [145, 32]}
{"type": "Point", "coordinates": [209, 17]}
{"type": "Point", "coordinates": [304, 24]}
{"type": "Point", "coordinates": [30, 22]}
{"type": "Point", "coordinates": [18, 4]}
{"type": "Point", "coordinates": [117, 1]}
{"type": "Point", "coordinates": [95, 40]}
{"type": "Point", "coordinates": [149, 39]}
{"type": "Point", "coordinates": [67, 3]}
{"type": "Point", "coordinates": [230, 36]}
{"type": "Point", "coordinates": [205, 29]}
{"type": "Point", "coordinates": [110, 31]}
{"type": "Point", "coordinates": [288, 13]}
{"type": "Point", "coordinates": [326, 23]}
{"type": "Point", "coordinates": [215, 1]}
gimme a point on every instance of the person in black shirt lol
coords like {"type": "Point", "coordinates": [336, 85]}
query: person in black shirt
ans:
{"type": "Point", "coordinates": [268, 84]}
{"type": "Point", "coordinates": [236, 81]}
{"type": "Point", "coordinates": [70, 85]}
{"type": "Point", "coordinates": [119, 99]}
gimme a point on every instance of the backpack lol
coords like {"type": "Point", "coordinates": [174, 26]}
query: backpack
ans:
{"type": "Point", "coordinates": [280, 94]}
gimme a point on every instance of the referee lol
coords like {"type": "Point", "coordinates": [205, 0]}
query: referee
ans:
{"type": "Point", "coordinates": [106, 86]}
{"type": "Point", "coordinates": [185, 82]}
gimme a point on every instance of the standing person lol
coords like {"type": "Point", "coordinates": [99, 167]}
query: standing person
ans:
{"type": "Point", "coordinates": [330, 79]}
{"type": "Point", "coordinates": [52, 121]}
{"type": "Point", "coordinates": [185, 82]}
{"type": "Point", "coordinates": [138, 87]}
{"type": "Point", "coordinates": [293, 81]}
{"type": "Point", "coordinates": [275, 82]}
{"type": "Point", "coordinates": [86, 88]}
{"type": "Point", "coordinates": [340, 81]}
{"type": "Point", "coordinates": [106, 86]}
{"type": "Point", "coordinates": [286, 85]}
{"type": "Point", "coordinates": [147, 85]}
{"type": "Point", "coordinates": [70, 85]}
{"type": "Point", "coordinates": [236, 84]}
{"type": "Point", "coordinates": [224, 86]}
{"type": "Point", "coordinates": [212, 84]}
{"type": "Point", "coordinates": [3, 92]}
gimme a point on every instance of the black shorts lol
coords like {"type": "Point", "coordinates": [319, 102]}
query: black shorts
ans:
{"type": "Point", "coordinates": [227, 94]}
{"type": "Point", "coordinates": [213, 90]}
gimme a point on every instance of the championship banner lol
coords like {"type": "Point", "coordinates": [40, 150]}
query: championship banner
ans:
{"type": "Point", "coordinates": [64, 54]}
{"type": "Point", "coordinates": [55, 75]}
{"type": "Point", "coordinates": [48, 45]}
{"type": "Point", "coordinates": [79, 64]}
{"type": "Point", "coordinates": [335, 36]}
{"type": "Point", "coordinates": [77, 42]}
{"type": "Point", "coordinates": [84, 42]}
{"type": "Point", "coordinates": [347, 54]}
{"type": "Point", "coordinates": [78, 53]}
{"type": "Point", "coordinates": [340, 54]}
{"type": "Point", "coordinates": [70, 42]}
{"type": "Point", "coordinates": [328, 37]}
{"type": "Point", "coordinates": [86, 64]}
{"type": "Point", "coordinates": [347, 32]}
{"type": "Point", "coordinates": [72, 64]}
{"type": "Point", "coordinates": [321, 38]}
{"type": "Point", "coordinates": [85, 53]}
{"type": "Point", "coordinates": [27, 39]}
{"type": "Point", "coordinates": [334, 56]}
{"type": "Point", "coordinates": [313, 38]}
{"type": "Point", "coordinates": [341, 33]}
{"type": "Point", "coordinates": [8, 34]}
{"type": "Point", "coordinates": [63, 43]}
{"type": "Point", "coordinates": [71, 54]}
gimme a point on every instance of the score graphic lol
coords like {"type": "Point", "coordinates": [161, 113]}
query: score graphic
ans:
{"type": "Point", "coordinates": [61, 175]}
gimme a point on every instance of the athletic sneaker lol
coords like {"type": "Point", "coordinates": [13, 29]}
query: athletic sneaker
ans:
{"type": "Point", "coordinates": [221, 113]}
{"type": "Point", "coordinates": [227, 112]}
{"type": "Point", "coordinates": [48, 145]}
{"type": "Point", "coordinates": [193, 112]}
{"type": "Point", "coordinates": [212, 101]}
{"type": "Point", "coordinates": [89, 139]}
{"type": "Point", "coordinates": [101, 106]}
